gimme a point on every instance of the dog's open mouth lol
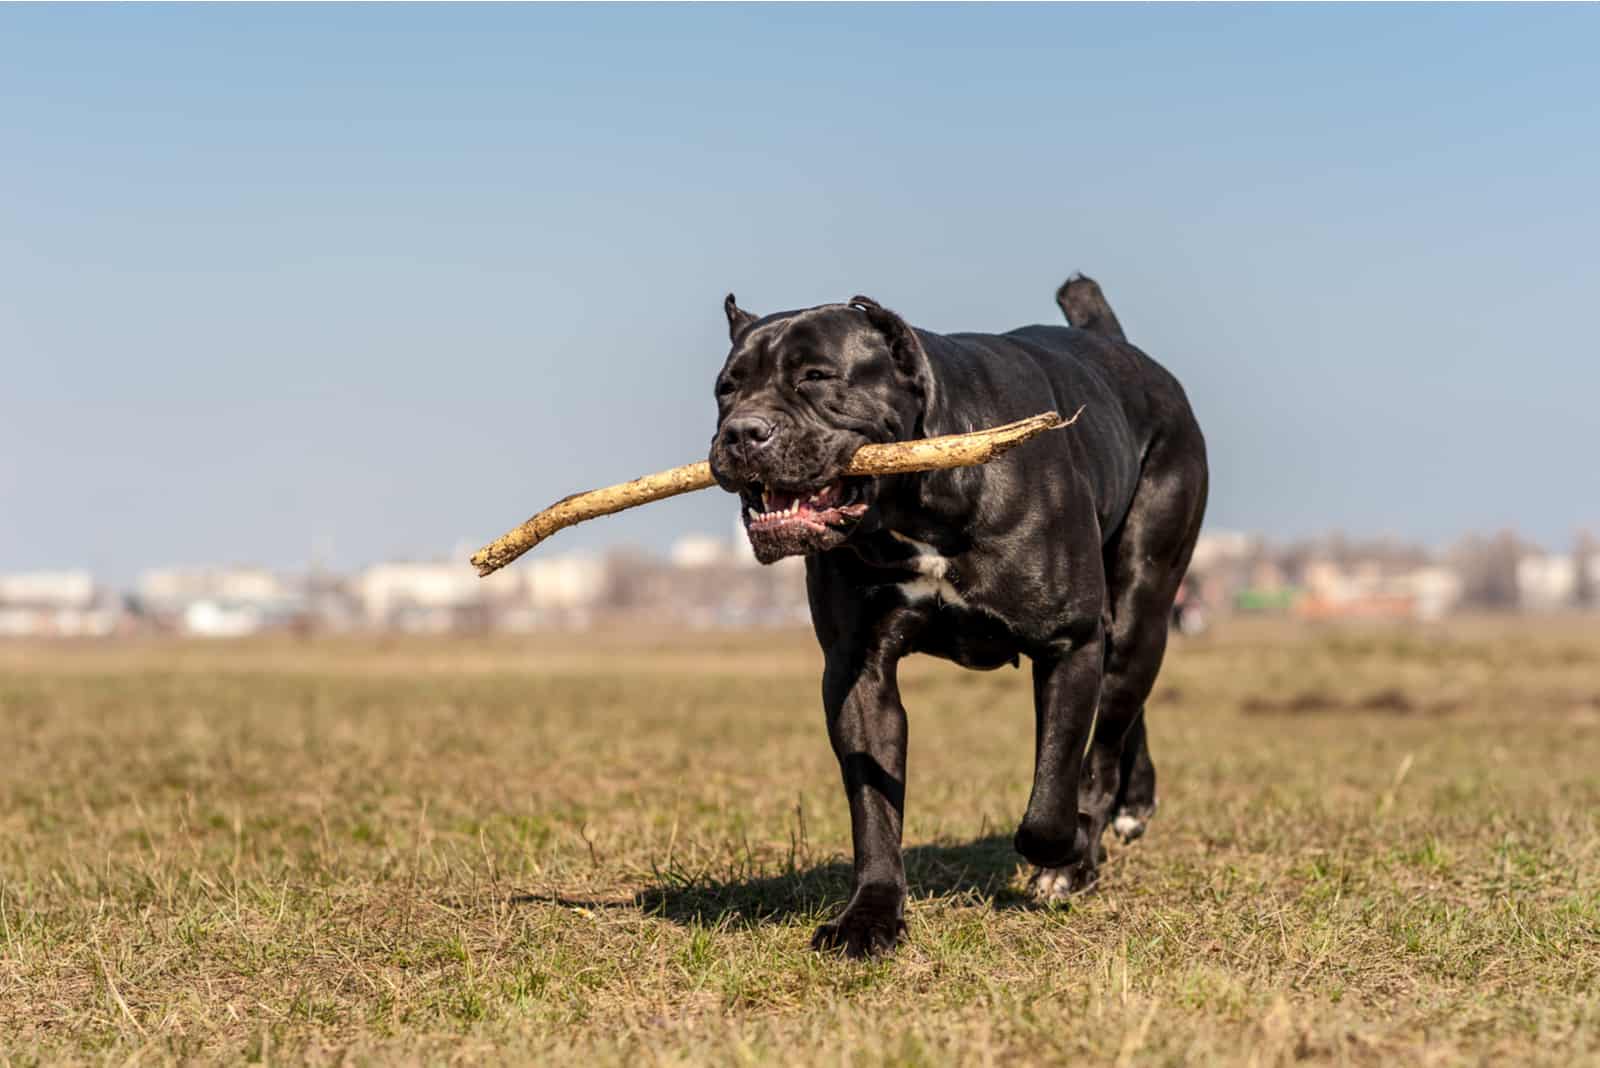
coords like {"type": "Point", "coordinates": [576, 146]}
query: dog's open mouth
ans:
{"type": "Point", "coordinates": [786, 522]}
{"type": "Point", "coordinates": [773, 509]}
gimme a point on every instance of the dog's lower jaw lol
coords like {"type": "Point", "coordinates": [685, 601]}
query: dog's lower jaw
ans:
{"type": "Point", "coordinates": [871, 925]}
{"type": "Point", "coordinates": [771, 546]}
{"type": "Point", "coordinates": [795, 539]}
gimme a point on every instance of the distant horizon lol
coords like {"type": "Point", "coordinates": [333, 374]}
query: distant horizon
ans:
{"type": "Point", "coordinates": [459, 553]}
{"type": "Point", "coordinates": [360, 282]}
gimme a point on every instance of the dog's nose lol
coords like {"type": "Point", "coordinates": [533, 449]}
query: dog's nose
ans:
{"type": "Point", "coordinates": [744, 434]}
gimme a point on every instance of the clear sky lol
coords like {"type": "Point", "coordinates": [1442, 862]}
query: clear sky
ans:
{"type": "Point", "coordinates": [371, 281]}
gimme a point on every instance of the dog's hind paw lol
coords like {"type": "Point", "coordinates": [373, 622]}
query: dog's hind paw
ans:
{"type": "Point", "coordinates": [1132, 821]}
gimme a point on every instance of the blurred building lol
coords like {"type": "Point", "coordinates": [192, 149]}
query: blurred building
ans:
{"type": "Point", "coordinates": [559, 591]}
{"type": "Point", "coordinates": [705, 582]}
{"type": "Point", "coordinates": [218, 602]}
{"type": "Point", "coordinates": [702, 550]}
{"type": "Point", "coordinates": [1376, 588]}
{"type": "Point", "coordinates": [1547, 582]}
{"type": "Point", "coordinates": [175, 587]}
{"type": "Point", "coordinates": [56, 604]}
{"type": "Point", "coordinates": [1435, 590]}
{"type": "Point", "coordinates": [427, 598]}
{"type": "Point", "coordinates": [1215, 550]}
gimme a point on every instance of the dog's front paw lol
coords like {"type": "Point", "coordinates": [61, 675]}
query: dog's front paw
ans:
{"type": "Point", "coordinates": [860, 934]}
{"type": "Point", "coordinates": [870, 926]}
{"type": "Point", "coordinates": [1055, 886]}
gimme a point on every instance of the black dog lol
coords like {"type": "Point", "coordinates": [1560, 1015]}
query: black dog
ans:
{"type": "Point", "coordinates": [1068, 550]}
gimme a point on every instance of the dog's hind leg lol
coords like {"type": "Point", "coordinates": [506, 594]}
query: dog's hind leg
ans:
{"type": "Point", "coordinates": [1145, 563]}
{"type": "Point", "coordinates": [1136, 795]}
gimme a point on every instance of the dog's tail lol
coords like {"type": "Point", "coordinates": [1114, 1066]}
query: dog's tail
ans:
{"type": "Point", "coordinates": [1086, 308]}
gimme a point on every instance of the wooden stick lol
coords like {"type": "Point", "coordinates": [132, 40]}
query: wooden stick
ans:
{"type": "Point", "coordinates": [891, 458]}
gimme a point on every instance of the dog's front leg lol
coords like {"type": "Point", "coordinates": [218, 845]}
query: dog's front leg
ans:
{"type": "Point", "coordinates": [867, 726]}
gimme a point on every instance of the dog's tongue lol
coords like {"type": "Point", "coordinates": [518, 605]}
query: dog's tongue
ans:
{"type": "Point", "coordinates": [781, 500]}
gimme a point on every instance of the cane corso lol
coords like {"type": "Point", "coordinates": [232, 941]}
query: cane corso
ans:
{"type": "Point", "coordinates": [1068, 550]}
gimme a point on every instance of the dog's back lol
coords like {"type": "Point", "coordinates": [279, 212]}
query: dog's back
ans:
{"type": "Point", "coordinates": [1151, 395]}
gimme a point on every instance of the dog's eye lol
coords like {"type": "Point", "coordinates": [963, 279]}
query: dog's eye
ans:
{"type": "Point", "coordinates": [724, 388]}
{"type": "Point", "coordinates": [816, 375]}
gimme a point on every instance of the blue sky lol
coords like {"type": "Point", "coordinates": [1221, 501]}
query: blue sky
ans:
{"type": "Point", "coordinates": [370, 281]}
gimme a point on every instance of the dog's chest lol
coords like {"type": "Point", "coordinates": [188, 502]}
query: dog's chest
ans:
{"type": "Point", "coordinates": [963, 627]}
{"type": "Point", "coordinates": [936, 576]}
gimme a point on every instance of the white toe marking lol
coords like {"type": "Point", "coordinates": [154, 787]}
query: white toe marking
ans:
{"type": "Point", "coordinates": [1125, 824]}
{"type": "Point", "coordinates": [1051, 884]}
{"type": "Point", "coordinates": [933, 569]}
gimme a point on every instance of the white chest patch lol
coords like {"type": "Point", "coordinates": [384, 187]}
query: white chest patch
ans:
{"type": "Point", "coordinates": [932, 573]}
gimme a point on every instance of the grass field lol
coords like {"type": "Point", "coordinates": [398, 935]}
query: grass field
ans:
{"type": "Point", "coordinates": [1375, 847]}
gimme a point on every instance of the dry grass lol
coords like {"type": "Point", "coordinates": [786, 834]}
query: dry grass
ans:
{"type": "Point", "coordinates": [1375, 847]}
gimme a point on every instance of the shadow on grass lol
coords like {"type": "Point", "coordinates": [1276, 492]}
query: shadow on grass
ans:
{"type": "Point", "coordinates": [981, 870]}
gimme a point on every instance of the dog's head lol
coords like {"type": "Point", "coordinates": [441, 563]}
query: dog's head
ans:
{"type": "Point", "coordinates": [801, 391]}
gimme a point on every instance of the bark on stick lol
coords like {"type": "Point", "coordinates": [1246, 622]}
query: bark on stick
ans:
{"type": "Point", "coordinates": [891, 458]}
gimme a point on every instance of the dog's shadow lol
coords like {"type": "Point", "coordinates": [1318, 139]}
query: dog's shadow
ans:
{"type": "Point", "coordinates": [982, 871]}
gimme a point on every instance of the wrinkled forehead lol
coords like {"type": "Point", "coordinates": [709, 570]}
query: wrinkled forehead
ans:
{"type": "Point", "coordinates": [833, 333]}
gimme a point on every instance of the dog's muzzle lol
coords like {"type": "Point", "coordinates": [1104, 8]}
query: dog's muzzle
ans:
{"type": "Point", "coordinates": [796, 500]}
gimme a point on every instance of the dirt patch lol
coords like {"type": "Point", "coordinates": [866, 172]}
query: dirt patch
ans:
{"type": "Point", "coordinates": [1391, 700]}
{"type": "Point", "coordinates": [1386, 702]}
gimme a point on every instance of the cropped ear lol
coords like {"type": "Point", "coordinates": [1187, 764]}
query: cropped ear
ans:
{"type": "Point", "coordinates": [738, 318]}
{"type": "Point", "coordinates": [909, 357]}
{"type": "Point", "coordinates": [903, 344]}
